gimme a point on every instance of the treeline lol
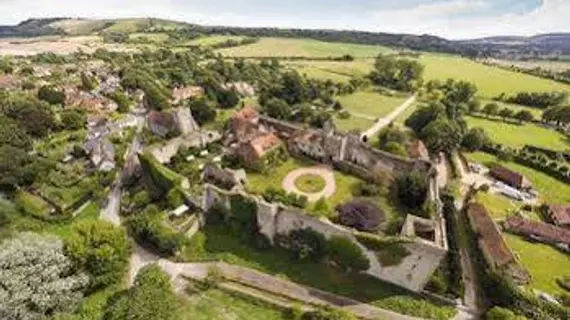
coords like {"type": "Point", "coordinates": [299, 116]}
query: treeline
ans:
{"type": "Point", "coordinates": [540, 100]}
{"type": "Point", "coordinates": [234, 43]}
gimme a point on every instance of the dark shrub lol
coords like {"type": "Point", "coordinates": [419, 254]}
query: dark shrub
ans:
{"type": "Point", "coordinates": [361, 214]}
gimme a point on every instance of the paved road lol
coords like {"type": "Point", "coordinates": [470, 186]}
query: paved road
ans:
{"type": "Point", "coordinates": [381, 123]}
{"type": "Point", "coordinates": [326, 173]}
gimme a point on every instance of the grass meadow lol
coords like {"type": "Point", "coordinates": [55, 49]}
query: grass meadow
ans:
{"type": "Point", "coordinates": [517, 135]}
{"type": "Point", "coordinates": [283, 47]}
{"type": "Point", "coordinates": [212, 40]}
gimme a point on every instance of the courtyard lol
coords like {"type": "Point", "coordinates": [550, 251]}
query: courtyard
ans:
{"type": "Point", "coordinates": [313, 182]}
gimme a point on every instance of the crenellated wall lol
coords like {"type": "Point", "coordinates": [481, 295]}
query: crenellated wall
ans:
{"type": "Point", "coordinates": [413, 271]}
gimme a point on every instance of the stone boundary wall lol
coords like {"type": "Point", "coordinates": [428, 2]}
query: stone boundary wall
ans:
{"type": "Point", "coordinates": [412, 273]}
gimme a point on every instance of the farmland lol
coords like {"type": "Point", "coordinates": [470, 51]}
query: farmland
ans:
{"type": "Point", "coordinates": [212, 40]}
{"type": "Point", "coordinates": [556, 66]}
{"type": "Point", "coordinates": [491, 81]}
{"type": "Point", "coordinates": [281, 47]}
{"type": "Point", "coordinates": [515, 135]}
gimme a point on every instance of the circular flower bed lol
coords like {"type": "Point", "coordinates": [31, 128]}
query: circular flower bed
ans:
{"type": "Point", "coordinates": [310, 183]}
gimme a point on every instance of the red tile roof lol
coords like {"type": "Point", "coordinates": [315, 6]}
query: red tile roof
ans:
{"type": "Point", "coordinates": [508, 176]}
{"type": "Point", "coordinates": [264, 143]}
{"type": "Point", "coordinates": [560, 214]}
{"type": "Point", "coordinates": [491, 240]}
{"type": "Point", "coordinates": [545, 231]}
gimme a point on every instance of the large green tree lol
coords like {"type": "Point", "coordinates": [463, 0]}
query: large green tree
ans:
{"type": "Point", "coordinates": [442, 135]}
{"type": "Point", "coordinates": [37, 280]}
{"type": "Point", "coordinates": [101, 250]}
{"type": "Point", "coordinates": [150, 298]}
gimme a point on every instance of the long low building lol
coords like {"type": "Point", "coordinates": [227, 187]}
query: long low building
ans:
{"type": "Point", "coordinates": [539, 231]}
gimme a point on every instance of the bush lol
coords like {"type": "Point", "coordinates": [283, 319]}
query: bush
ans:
{"type": "Point", "coordinates": [304, 244]}
{"type": "Point", "coordinates": [346, 255]}
{"type": "Point", "coordinates": [365, 189]}
{"type": "Point", "coordinates": [361, 214]}
{"type": "Point", "coordinates": [175, 198]}
{"type": "Point", "coordinates": [148, 230]}
{"type": "Point", "coordinates": [498, 313]}
{"type": "Point", "coordinates": [328, 313]}
{"type": "Point", "coordinates": [51, 96]}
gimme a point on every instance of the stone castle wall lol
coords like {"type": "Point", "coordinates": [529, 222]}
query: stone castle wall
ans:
{"type": "Point", "coordinates": [412, 273]}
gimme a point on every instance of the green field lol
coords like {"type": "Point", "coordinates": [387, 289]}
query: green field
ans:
{"type": "Point", "coordinates": [544, 263]}
{"type": "Point", "coordinates": [283, 47]}
{"type": "Point", "coordinates": [491, 81]}
{"type": "Point", "coordinates": [152, 37]}
{"type": "Point", "coordinates": [550, 189]}
{"type": "Point", "coordinates": [556, 66]}
{"type": "Point", "coordinates": [370, 104]}
{"type": "Point", "coordinates": [340, 71]}
{"type": "Point", "coordinates": [515, 135]}
{"type": "Point", "coordinates": [215, 304]}
{"type": "Point", "coordinates": [353, 123]}
{"type": "Point", "coordinates": [212, 40]}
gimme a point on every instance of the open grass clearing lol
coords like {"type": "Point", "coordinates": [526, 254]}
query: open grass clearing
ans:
{"type": "Point", "coordinates": [215, 304]}
{"type": "Point", "coordinates": [500, 207]}
{"type": "Point", "coordinates": [353, 123]}
{"type": "Point", "coordinates": [310, 183]}
{"type": "Point", "coordinates": [220, 243]}
{"type": "Point", "coordinates": [321, 74]}
{"type": "Point", "coordinates": [213, 40]}
{"type": "Point", "coordinates": [518, 135]}
{"type": "Point", "coordinates": [284, 47]}
{"type": "Point", "coordinates": [551, 190]}
{"type": "Point", "coordinates": [491, 81]}
{"type": "Point", "coordinates": [544, 262]}
{"type": "Point", "coordinates": [370, 104]}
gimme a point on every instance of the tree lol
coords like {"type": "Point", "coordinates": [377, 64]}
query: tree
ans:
{"type": "Point", "coordinates": [491, 109]}
{"type": "Point", "coordinates": [524, 116]}
{"type": "Point", "coordinates": [506, 113]}
{"type": "Point", "coordinates": [202, 111]}
{"type": "Point", "coordinates": [346, 255]}
{"type": "Point", "coordinates": [360, 214]}
{"type": "Point", "coordinates": [398, 74]}
{"type": "Point", "coordinates": [424, 115]}
{"type": "Point", "coordinates": [36, 278]}
{"type": "Point", "coordinates": [51, 95]}
{"type": "Point", "coordinates": [475, 139]}
{"type": "Point", "coordinates": [33, 115]}
{"type": "Point", "coordinates": [442, 135]}
{"type": "Point", "coordinates": [395, 148]}
{"type": "Point", "coordinates": [474, 106]}
{"type": "Point", "coordinates": [12, 134]}
{"type": "Point", "coordinates": [151, 297]}
{"type": "Point", "coordinates": [228, 98]}
{"type": "Point", "coordinates": [101, 250]}
{"type": "Point", "coordinates": [277, 108]}
{"type": "Point", "coordinates": [412, 189]}
{"type": "Point", "coordinates": [305, 244]}
{"type": "Point", "coordinates": [122, 100]}
{"type": "Point", "coordinates": [18, 168]}
{"type": "Point", "coordinates": [73, 119]}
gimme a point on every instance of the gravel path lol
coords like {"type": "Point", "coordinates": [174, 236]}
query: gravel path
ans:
{"type": "Point", "coordinates": [326, 173]}
{"type": "Point", "coordinates": [382, 122]}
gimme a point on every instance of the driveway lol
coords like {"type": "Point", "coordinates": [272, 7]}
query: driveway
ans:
{"type": "Point", "coordinates": [326, 173]}
{"type": "Point", "coordinates": [381, 123]}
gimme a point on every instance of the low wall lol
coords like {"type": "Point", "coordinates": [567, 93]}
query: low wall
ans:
{"type": "Point", "coordinates": [412, 273]}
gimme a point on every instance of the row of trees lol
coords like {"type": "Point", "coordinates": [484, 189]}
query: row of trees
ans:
{"type": "Point", "coordinates": [540, 100]}
{"type": "Point", "coordinates": [493, 109]}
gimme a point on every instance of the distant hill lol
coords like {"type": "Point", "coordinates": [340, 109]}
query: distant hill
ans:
{"type": "Point", "coordinates": [545, 45]}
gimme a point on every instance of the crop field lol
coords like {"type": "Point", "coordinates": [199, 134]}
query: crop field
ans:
{"type": "Point", "coordinates": [491, 81]}
{"type": "Point", "coordinates": [544, 263]}
{"type": "Point", "coordinates": [515, 135]}
{"type": "Point", "coordinates": [212, 40]}
{"type": "Point", "coordinates": [550, 189]}
{"type": "Point", "coordinates": [283, 47]}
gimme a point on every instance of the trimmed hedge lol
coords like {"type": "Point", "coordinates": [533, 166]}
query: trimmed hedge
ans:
{"type": "Point", "coordinates": [389, 251]}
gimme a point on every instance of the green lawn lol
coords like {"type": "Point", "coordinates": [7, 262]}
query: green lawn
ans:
{"type": "Point", "coordinates": [491, 81]}
{"type": "Point", "coordinates": [544, 263]}
{"type": "Point", "coordinates": [353, 123]}
{"type": "Point", "coordinates": [219, 243]}
{"type": "Point", "coordinates": [310, 183]}
{"type": "Point", "coordinates": [283, 47]}
{"type": "Point", "coordinates": [550, 189]}
{"type": "Point", "coordinates": [257, 183]}
{"type": "Point", "coordinates": [215, 304]}
{"type": "Point", "coordinates": [515, 135]}
{"type": "Point", "coordinates": [212, 40]}
{"type": "Point", "coordinates": [370, 103]}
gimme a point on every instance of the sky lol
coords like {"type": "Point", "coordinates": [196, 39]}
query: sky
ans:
{"type": "Point", "coordinates": [453, 19]}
